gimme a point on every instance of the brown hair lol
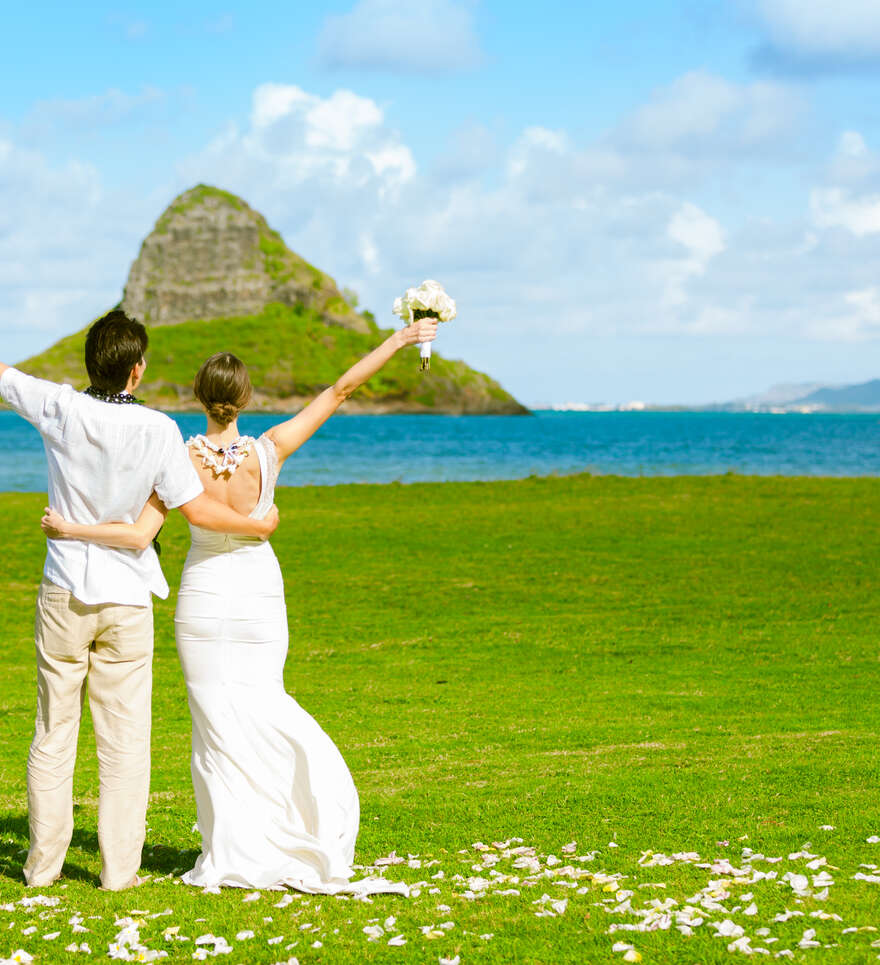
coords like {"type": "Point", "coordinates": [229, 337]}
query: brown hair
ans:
{"type": "Point", "coordinates": [114, 346]}
{"type": "Point", "coordinates": [223, 386]}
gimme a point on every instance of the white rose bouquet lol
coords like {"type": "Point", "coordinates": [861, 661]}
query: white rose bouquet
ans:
{"type": "Point", "coordinates": [429, 300]}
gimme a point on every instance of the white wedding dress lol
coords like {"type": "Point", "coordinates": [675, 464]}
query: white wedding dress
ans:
{"type": "Point", "coordinates": [275, 800]}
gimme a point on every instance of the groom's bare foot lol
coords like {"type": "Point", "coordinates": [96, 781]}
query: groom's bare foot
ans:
{"type": "Point", "coordinates": [135, 881]}
{"type": "Point", "coordinates": [42, 884]}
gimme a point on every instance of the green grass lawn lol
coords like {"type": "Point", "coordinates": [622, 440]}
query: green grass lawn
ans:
{"type": "Point", "coordinates": [613, 670]}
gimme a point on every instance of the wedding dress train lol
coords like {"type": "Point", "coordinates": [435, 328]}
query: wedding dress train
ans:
{"type": "Point", "coordinates": [275, 800]}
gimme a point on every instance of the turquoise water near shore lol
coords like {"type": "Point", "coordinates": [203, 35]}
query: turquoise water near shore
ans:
{"type": "Point", "coordinates": [410, 448]}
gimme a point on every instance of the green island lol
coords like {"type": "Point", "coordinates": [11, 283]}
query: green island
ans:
{"type": "Point", "coordinates": [213, 276]}
{"type": "Point", "coordinates": [665, 687]}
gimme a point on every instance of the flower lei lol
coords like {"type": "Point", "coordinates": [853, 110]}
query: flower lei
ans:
{"type": "Point", "coordinates": [221, 460]}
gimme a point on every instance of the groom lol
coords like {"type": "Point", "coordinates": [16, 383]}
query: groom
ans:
{"type": "Point", "coordinates": [94, 620]}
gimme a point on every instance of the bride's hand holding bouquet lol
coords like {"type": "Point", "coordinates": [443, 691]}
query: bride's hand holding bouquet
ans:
{"type": "Point", "coordinates": [427, 302]}
{"type": "Point", "coordinates": [423, 331]}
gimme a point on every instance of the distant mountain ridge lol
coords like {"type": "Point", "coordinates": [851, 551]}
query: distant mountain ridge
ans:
{"type": "Point", "coordinates": [811, 397]}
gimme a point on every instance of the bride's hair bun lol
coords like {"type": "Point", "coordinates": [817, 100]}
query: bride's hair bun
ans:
{"type": "Point", "coordinates": [223, 387]}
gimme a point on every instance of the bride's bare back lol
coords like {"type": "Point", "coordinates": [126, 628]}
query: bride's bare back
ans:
{"type": "Point", "coordinates": [239, 489]}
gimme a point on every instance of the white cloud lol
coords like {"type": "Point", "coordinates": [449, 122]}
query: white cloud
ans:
{"type": "Point", "coordinates": [836, 208]}
{"type": "Point", "coordinates": [852, 145]}
{"type": "Point", "coordinates": [698, 232]}
{"type": "Point", "coordinates": [857, 321]}
{"type": "Point", "coordinates": [845, 28]}
{"type": "Point", "coordinates": [703, 115]}
{"type": "Point", "coordinates": [88, 113]}
{"type": "Point", "coordinates": [408, 36]}
{"type": "Point", "coordinates": [65, 244]}
{"type": "Point", "coordinates": [703, 237]}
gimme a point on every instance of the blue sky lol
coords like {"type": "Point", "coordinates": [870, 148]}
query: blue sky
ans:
{"type": "Point", "coordinates": [674, 201]}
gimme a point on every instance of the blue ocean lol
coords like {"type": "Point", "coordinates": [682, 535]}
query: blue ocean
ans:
{"type": "Point", "coordinates": [435, 448]}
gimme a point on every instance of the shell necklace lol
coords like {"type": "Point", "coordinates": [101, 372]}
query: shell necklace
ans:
{"type": "Point", "coordinates": [221, 460]}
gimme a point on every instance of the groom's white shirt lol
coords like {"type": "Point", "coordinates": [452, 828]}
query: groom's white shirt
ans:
{"type": "Point", "coordinates": [104, 462]}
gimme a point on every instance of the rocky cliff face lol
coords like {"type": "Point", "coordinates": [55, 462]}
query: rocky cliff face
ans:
{"type": "Point", "coordinates": [210, 255]}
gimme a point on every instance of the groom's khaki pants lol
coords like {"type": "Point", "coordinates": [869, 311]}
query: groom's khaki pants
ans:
{"type": "Point", "coordinates": [111, 647]}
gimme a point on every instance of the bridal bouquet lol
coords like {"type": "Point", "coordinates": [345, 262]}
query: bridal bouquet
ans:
{"type": "Point", "coordinates": [427, 301]}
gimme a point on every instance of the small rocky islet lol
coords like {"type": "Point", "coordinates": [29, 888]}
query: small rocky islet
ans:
{"type": "Point", "coordinates": [213, 276]}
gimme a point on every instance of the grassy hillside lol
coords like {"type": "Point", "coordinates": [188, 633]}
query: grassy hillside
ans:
{"type": "Point", "coordinates": [291, 355]}
{"type": "Point", "coordinates": [666, 687]}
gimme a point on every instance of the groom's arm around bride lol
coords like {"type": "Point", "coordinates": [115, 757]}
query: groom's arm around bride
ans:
{"type": "Point", "coordinates": [106, 455]}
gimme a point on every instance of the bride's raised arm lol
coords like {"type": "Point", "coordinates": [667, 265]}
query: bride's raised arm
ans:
{"type": "Point", "coordinates": [290, 435]}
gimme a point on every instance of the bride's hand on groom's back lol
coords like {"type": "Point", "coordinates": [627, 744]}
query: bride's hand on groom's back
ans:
{"type": "Point", "coordinates": [271, 520]}
{"type": "Point", "coordinates": [53, 524]}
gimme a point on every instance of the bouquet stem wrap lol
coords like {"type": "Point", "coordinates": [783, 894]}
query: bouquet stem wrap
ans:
{"type": "Point", "coordinates": [424, 347]}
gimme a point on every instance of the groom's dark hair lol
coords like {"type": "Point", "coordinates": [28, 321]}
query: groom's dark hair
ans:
{"type": "Point", "coordinates": [114, 346]}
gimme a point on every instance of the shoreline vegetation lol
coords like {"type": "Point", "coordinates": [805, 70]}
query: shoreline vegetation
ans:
{"type": "Point", "coordinates": [665, 687]}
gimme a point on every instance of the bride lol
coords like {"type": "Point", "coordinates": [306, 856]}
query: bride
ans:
{"type": "Point", "coordinates": [275, 800]}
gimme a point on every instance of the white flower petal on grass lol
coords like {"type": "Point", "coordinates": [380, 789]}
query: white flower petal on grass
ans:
{"type": "Point", "coordinates": [21, 956]}
{"type": "Point", "coordinates": [809, 939]}
{"type": "Point", "coordinates": [632, 956]}
{"type": "Point", "coordinates": [826, 827]}
{"type": "Point", "coordinates": [751, 910]}
{"type": "Point", "coordinates": [825, 915]}
{"type": "Point", "coordinates": [569, 848]}
{"type": "Point", "coordinates": [874, 839]}
{"type": "Point", "coordinates": [373, 932]}
{"type": "Point", "coordinates": [488, 936]}
{"type": "Point", "coordinates": [800, 884]}
{"type": "Point", "coordinates": [253, 896]}
{"type": "Point", "coordinates": [741, 945]}
{"type": "Point", "coordinates": [449, 961]}
{"type": "Point", "coordinates": [786, 915]}
{"type": "Point", "coordinates": [243, 936]}
{"type": "Point", "coordinates": [284, 902]}
{"type": "Point", "coordinates": [784, 953]}
{"type": "Point", "coordinates": [874, 879]}
{"type": "Point", "coordinates": [317, 944]}
{"type": "Point", "coordinates": [392, 858]}
{"type": "Point", "coordinates": [727, 929]}
{"type": "Point", "coordinates": [275, 941]}
{"type": "Point", "coordinates": [397, 940]}
{"type": "Point", "coordinates": [621, 947]}
{"type": "Point", "coordinates": [389, 922]}
{"type": "Point", "coordinates": [51, 936]}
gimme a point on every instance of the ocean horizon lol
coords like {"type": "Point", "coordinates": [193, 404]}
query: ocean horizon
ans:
{"type": "Point", "coordinates": [443, 448]}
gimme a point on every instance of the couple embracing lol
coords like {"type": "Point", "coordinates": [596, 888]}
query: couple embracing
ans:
{"type": "Point", "coordinates": [276, 803]}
